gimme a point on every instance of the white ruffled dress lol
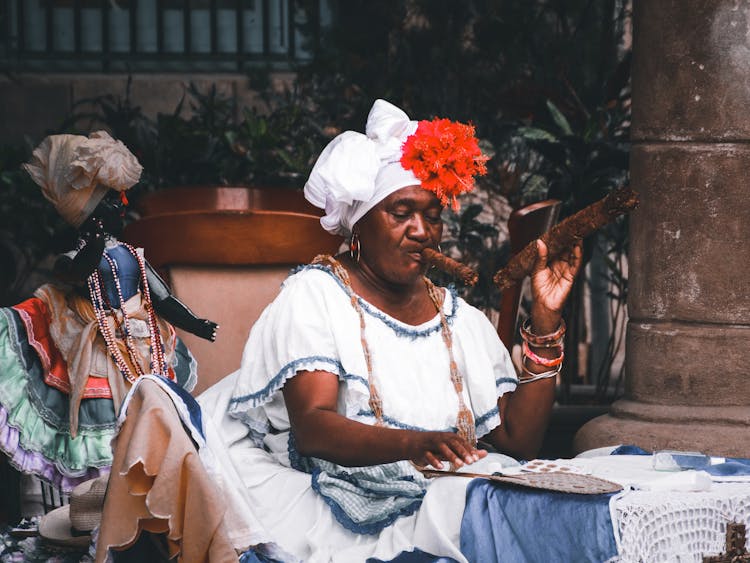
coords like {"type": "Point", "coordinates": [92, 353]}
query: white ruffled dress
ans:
{"type": "Point", "coordinates": [310, 326]}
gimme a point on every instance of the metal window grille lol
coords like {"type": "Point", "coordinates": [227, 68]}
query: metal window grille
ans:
{"type": "Point", "coordinates": [155, 35]}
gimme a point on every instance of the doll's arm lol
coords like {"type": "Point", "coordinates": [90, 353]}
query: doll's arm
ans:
{"type": "Point", "coordinates": [80, 266]}
{"type": "Point", "coordinates": [174, 311]}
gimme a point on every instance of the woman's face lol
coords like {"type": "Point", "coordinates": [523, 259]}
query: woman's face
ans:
{"type": "Point", "coordinates": [394, 233]}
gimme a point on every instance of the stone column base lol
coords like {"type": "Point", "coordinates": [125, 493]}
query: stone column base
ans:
{"type": "Point", "coordinates": [719, 431]}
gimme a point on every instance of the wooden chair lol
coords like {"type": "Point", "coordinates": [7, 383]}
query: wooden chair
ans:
{"type": "Point", "coordinates": [524, 225]}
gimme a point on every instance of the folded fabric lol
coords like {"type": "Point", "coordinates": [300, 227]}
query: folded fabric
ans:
{"type": "Point", "coordinates": [505, 524]}
{"type": "Point", "coordinates": [680, 481]}
{"type": "Point", "coordinates": [629, 450]}
{"type": "Point", "coordinates": [256, 555]}
{"type": "Point", "coordinates": [731, 467]}
{"type": "Point", "coordinates": [158, 481]}
{"type": "Point", "coordinates": [416, 556]}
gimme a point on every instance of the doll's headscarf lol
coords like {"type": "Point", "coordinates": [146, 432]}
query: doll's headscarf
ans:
{"type": "Point", "coordinates": [355, 172]}
{"type": "Point", "coordinates": [75, 172]}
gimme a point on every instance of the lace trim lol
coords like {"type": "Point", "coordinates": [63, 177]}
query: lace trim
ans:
{"type": "Point", "coordinates": [297, 462]}
{"type": "Point", "coordinates": [486, 416]}
{"type": "Point", "coordinates": [32, 366]}
{"type": "Point", "coordinates": [371, 528]}
{"type": "Point", "coordinates": [503, 380]}
{"type": "Point", "coordinates": [480, 422]}
{"type": "Point", "coordinates": [392, 422]}
{"type": "Point", "coordinates": [357, 378]}
{"type": "Point", "coordinates": [397, 327]}
{"type": "Point", "coordinates": [676, 526]}
{"type": "Point", "coordinates": [277, 382]}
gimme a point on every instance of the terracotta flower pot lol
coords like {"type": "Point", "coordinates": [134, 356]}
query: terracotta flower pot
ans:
{"type": "Point", "coordinates": [225, 225]}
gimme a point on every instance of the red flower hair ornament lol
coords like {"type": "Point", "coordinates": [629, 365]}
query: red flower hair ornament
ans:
{"type": "Point", "coordinates": [444, 155]}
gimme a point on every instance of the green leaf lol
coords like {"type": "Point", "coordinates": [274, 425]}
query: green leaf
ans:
{"type": "Point", "coordinates": [536, 134]}
{"type": "Point", "coordinates": [559, 118]}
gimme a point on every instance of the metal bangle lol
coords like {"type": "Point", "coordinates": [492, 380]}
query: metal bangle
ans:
{"type": "Point", "coordinates": [537, 377]}
{"type": "Point", "coordinates": [533, 374]}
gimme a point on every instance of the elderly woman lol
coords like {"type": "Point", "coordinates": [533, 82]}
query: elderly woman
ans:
{"type": "Point", "coordinates": [361, 369]}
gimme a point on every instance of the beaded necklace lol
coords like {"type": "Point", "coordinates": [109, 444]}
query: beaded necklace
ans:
{"type": "Point", "coordinates": [464, 419]}
{"type": "Point", "coordinates": [102, 308]}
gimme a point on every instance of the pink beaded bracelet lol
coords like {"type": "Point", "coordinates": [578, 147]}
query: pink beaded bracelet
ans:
{"type": "Point", "coordinates": [546, 362]}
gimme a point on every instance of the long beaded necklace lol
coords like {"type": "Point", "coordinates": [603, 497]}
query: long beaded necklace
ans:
{"type": "Point", "coordinates": [157, 362]}
{"type": "Point", "coordinates": [464, 419]}
{"type": "Point", "coordinates": [125, 326]}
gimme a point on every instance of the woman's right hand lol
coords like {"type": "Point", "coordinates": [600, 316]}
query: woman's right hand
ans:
{"type": "Point", "coordinates": [321, 431]}
{"type": "Point", "coordinates": [432, 448]}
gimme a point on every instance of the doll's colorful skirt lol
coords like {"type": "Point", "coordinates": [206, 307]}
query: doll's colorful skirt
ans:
{"type": "Point", "coordinates": [35, 405]}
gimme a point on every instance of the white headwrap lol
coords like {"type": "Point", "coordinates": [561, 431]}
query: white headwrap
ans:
{"type": "Point", "coordinates": [75, 172]}
{"type": "Point", "coordinates": [355, 172]}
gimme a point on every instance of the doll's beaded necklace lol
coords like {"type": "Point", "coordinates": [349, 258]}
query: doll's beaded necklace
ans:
{"type": "Point", "coordinates": [465, 419]}
{"type": "Point", "coordinates": [102, 309]}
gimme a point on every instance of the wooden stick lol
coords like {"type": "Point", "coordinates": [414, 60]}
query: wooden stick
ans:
{"type": "Point", "coordinates": [564, 235]}
{"type": "Point", "coordinates": [450, 266]}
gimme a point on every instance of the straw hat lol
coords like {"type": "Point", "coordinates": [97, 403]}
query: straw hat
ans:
{"type": "Point", "coordinates": [71, 525]}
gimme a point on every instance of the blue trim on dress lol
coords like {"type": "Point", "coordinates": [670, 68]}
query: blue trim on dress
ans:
{"type": "Point", "coordinates": [478, 422]}
{"type": "Point", "coordinates": [357, 378]}
{"type": "Point", "coordinates": [404, 426]}
{"type": "Point", "coordinates": [502, 380]}
{"type": "Point", "coordinates": [195, 414]}
{"type": "Point", "coordinates": [342, 517]}
{"type": "Point", "coordinates": [295, 459]}
{"type": "Point", "coordinates": [349, 478]}
{"type": "Point", "coordinates": [258, 428]}
{"type": "Point", "coordinates": [486, 416]}
{"type": "Point", "coordinates": [401, 329]}
{"type": "Point", "coordinates": [277, 382]}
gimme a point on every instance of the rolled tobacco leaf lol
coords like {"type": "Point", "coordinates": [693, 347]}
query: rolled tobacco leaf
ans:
{"type": "Point", "coordinates": [563, 235]}
{"type": "Point", "coordinates": [450, 266]}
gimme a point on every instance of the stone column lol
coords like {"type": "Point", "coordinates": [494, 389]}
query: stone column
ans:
{"type": "Point", "coordinates": [688, 341]}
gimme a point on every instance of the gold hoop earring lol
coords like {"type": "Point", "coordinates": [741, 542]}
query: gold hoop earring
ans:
{"type": "Point", "coordinates": [355, 247]}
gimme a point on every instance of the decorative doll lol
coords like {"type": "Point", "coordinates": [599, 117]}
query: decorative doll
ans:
{"type": "Point", "coordinates": [69, 354]}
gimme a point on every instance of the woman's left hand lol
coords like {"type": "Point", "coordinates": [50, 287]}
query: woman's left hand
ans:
{"type": "Point", "coordinates": [551, 282]}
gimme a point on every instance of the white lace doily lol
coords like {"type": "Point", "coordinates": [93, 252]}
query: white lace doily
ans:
{"type": "Point", "coordinates": [678, 526]}
{"type": "Point", "coordinates": [673, 517]}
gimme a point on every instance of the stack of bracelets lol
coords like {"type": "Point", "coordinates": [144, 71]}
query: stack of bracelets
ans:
{"type": "Point", "coordinates": [552, 340]}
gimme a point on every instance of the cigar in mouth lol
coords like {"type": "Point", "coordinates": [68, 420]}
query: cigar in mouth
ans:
{"type": "Point", "coordinates": [450, 266]}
